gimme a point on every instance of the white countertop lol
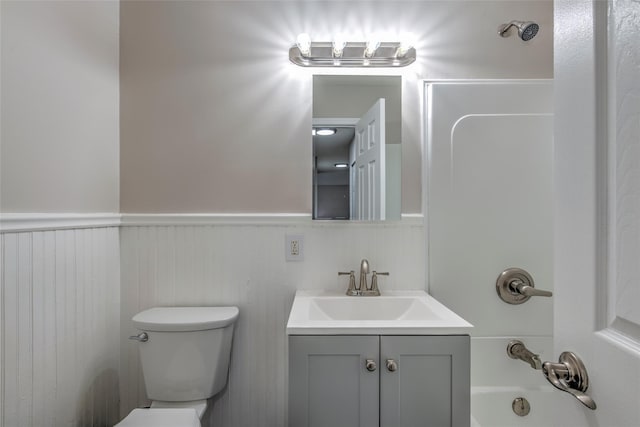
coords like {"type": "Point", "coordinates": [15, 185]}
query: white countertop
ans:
{"type": "Point", "coordinates": [392, 313]}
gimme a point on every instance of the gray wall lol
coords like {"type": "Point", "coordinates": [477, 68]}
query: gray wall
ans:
{"type": "Point", "coordinates": [201, 82]}
{"type": "Point", "coordinates": [209, 97]}
{"type": "Point", "coordinates": [60, 112]}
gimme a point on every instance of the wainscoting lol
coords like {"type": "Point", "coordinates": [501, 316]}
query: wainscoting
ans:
{"type": "Point", "coordinates": [243, 264]}
{"type": "Point", "coordinates": [60, 343]}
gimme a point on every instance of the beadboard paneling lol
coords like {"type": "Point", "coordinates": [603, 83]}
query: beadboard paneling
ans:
{"type": "Point", "coordinates": [244, 265]}
{"type": "Point", "coordinates": [60, 326]}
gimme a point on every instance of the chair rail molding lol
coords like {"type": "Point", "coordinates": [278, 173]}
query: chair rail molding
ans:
{"type": "Point", "coordinates": [167, 219]}
{"type": "Point", "coordinates": [17, 222]}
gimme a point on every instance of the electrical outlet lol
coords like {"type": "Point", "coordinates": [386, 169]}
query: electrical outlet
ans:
{"type": "Point", "coordinates": [294, 247]}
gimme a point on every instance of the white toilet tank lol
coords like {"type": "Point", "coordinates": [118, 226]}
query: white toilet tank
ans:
{"type": "Point", "coordinates": [186, 356]}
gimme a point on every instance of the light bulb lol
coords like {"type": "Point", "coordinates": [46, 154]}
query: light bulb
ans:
{"type": "Point", "coordinates": [407, 41]}
{"type": "Point", "coordinates": [338, 46]}
{"type": "Point", "coordinates": [304, 44]}
{"type": "Point", "coordinates": [372, 44]}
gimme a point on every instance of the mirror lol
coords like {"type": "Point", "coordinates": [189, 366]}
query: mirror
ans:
{"type": "Point", "coordinates": [357, 147]}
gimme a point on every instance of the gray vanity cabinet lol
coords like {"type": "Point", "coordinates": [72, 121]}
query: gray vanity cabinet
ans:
{"type": "Point", "coordinates": [431, 383]}
{"type": "Point", "coordinates": [329, 384]}
{"type": "Point", "coordinates": [418, 381]}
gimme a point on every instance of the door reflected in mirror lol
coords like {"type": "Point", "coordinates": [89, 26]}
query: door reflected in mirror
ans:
{"type": "Point", "coordinates": [357, 147]}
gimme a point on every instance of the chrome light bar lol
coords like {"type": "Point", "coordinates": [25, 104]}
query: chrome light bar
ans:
{"type": "Point", "coordinates": [321, 54]}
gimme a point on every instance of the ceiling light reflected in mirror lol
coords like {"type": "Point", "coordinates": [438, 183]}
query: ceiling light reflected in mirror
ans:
{"type": "Point", "coordinates": [324, 131]}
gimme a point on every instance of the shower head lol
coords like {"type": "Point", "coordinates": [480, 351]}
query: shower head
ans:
{"type": "Point", "coordinates": [526, 30]}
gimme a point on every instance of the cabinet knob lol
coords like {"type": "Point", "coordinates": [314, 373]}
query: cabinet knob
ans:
{"type": "Point", "coordinates": [371, 365]}
{"type": "Point", "coordinates": [392, 366]}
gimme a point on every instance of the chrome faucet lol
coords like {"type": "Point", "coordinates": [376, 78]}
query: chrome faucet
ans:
{"type": "Point", "coordinates": [362, 289]}
{"type": "Point", "coordinates": [517, 350]}
{"type": "Point", "coordinates": [364, 270]}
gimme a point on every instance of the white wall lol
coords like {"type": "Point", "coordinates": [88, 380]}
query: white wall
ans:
{"type": "Point", "coordinates": [244, 265]}
{"type": "Point", "coordinates": [60, 114]}
{"type": "Point", "coordinates": [60, 341]}
{"type": "Point", "coordinates": [202, 82]}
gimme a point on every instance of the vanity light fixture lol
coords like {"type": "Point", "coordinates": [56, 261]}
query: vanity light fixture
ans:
{"type": "Point", "coordinates": [341, 53]}
{"type": "Point", "coordinates": [341, 165]}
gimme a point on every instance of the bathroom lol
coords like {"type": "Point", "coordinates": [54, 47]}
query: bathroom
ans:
{"type": "Point", "coordinates": [158, 153]}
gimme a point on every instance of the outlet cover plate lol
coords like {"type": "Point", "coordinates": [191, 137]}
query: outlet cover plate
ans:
{"type": "Point", "coordinates": [294, 247]}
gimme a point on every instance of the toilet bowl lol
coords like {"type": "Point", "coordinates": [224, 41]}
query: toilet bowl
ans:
{"type": "Point", "coordinates": [184, 353]}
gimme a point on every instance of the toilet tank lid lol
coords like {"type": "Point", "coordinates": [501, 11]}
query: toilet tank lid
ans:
{"type": "Point", "coordinates": [175, 319]}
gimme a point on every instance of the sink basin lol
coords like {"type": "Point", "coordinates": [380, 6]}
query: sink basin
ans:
{"type": "Point", "coordinates": [393, 313]}
{"type": "Point", "coordinates": [369, 308]}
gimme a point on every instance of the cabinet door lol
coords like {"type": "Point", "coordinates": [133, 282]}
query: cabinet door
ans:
{"type": "Point", "coordinates": [430, 386]}
{"type": "Point", "coordinates": [329, 384]}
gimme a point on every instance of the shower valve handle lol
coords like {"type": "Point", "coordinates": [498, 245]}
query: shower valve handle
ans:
{"type": "Point", "coordinates": [515, 286]}
{"type": "Point", "coordinates": [520, 287]}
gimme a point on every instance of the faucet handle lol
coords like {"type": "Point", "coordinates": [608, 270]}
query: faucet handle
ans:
{"type": "Point", "coordinates": [351, 290]}
{"type": "Point", "coordinates": [374, 291]}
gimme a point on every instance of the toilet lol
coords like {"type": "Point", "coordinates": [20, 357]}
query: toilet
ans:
{"type": "Point", "coordinates": [184, 352]}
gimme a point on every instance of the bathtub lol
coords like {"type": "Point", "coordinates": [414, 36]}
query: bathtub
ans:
{"type": "Point", "coordinates": [491, 406]}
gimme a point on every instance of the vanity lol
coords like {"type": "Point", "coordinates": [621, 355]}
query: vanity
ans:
{"type": "Point", "coordinates": [399, 359]}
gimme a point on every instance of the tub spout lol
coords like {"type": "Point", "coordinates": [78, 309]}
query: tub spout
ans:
{"type": "Point", "coordinates": [517, 350]}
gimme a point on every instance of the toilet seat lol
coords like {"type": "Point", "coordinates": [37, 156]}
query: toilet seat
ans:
{"type": "Point", "coordinates": [199, 405]}
{"type": "Point", "coordinates": [161, 417]}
